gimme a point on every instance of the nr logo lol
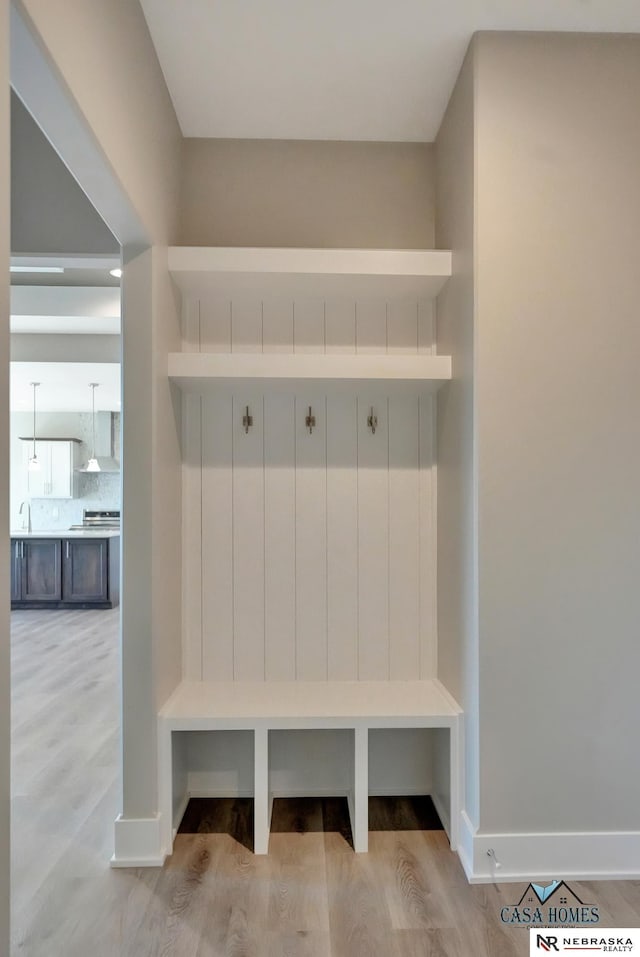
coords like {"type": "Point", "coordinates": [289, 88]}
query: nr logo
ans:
{"type": "Point", "coordinates": [547, 943]}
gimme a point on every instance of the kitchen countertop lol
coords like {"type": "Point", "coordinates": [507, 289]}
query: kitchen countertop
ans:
{"type": "Point", "coordinates": [67, 533]}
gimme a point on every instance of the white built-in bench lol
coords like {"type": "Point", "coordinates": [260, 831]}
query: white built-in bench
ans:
{"type": "Point", "coordinates": [258, 711]}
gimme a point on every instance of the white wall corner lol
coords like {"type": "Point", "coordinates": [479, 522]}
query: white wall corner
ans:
{"type": "Point", "coordinates": [138, 842]}
{"type": "Point", "coordinates": [607, 855]}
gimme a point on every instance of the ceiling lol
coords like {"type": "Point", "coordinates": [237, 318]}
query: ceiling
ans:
{"type": "Point", "coordinates": [338, 69]}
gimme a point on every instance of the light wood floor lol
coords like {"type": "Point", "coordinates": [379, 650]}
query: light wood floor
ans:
{"type": "Point", "coordinates": [311, 897]}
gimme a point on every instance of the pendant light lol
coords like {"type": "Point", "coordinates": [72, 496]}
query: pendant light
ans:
{"type": "Point", "coordinates": [92, 464]}
{"type": "Point", "coordinates": [34, 462]}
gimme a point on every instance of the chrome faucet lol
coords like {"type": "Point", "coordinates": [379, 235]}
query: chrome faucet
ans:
{"type": "Point", "coordinates": [28, 504]}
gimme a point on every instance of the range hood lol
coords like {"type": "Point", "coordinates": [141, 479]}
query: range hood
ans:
{"type": "Point", "coordinates": [110, 435]}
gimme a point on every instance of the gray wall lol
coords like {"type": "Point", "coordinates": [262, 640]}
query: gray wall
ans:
{"type": "Point", "coordinates": [49, 211]}
{"type": "Point", "coordinates": [305, 193]}
{"type": "Point", "coordinates": [457, 512]}
{"type": "Point", "coordinates": [558, 423]}
{"type": "Point", "coordinates": [4, 478]}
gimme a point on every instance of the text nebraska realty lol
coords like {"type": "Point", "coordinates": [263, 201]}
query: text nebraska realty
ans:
{"type": "Point", "coordinates": [604, 944]}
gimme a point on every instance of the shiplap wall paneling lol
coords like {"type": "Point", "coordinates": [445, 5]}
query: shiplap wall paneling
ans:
{"type": "Point", "coordinates": [427, 526]}
{"type": "Point", "coordinates": [280, 537]}
{"type": "Point", "coordinates": [308, 326]}
{"type": "Point", "coordinates": [191, 325]}
{"type": "Point", "coordinates": [402, 326]}
{"type": "Point", "coordinates": [215, 325]}
{"type": "Point", "coordinates": [311, 539]}
{"type": "Point", "coordinates": [340, 326]}
{"type": "Point", "coordinates": [277, 325]}
{"type": "Point", "coordinates": [248, 541]}
{"type": "Point", "coordinates": [404, 537]}
{"type": "Point", "coordinates": [373, 541]}
{"type": "Point", "coordinates": [246, 325]}
{"type": "Point", "coordinates": [371, 327]}
{"type": "Point", "coordinates": [217, 540]}
{"type": "Point", "coordinates": [426, 327]}
{"type": "Point", "coordinates": [342, 538]}
{"type": "Point", "coordinates": [191, 536]}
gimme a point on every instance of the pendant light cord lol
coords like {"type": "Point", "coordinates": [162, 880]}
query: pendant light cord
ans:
{"type": "Point", "coordinates": [35, 386]}
{"type": "Point", "coordinates": [93, 419]}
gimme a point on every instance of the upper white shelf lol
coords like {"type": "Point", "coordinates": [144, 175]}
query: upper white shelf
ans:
{"type": "Point", "coordinates": [354, 273]}
{"type": "Point", "coordinates": [295, 372]}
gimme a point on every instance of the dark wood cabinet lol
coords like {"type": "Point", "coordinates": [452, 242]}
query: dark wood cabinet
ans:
{"type": "Point", "coordinates": [40, 572]}
{"type": "Point", "coordinates": [85, 572]}
{"type": "Point", "coordinates": [65, 572]}
{"type": "Point", "coordinates": [16, 570]}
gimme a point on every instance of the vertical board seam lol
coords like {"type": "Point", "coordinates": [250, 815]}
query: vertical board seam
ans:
{"type": "Point", "coordinates": [264, 535]}
{"type": "Point", "coordinates": [326, 533]}
{"type": "Point", "coordinates": [295, 524]}
{"type": "Point", "coordinates": [434, 540]}
{"type": "Point", "coordinates": [233, 540]}
{"type": "Point", "coordinates": [420, 555]}
{"type": "Point", "coordinates": [201, 434]}
{"type": "Point", "coordinates": [357, 532]}
{"type": "Point", "coordinates": [388, 539]}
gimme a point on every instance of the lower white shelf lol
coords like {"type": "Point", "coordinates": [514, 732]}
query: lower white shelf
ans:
{"type": "Point", "coordinates": [295, 372]}
{"type": "Point", "coordinates": [257, 710]}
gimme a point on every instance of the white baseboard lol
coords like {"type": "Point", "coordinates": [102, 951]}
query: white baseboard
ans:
{"type": "Point", "coordinates": [179, 814]}
{"type": "Point", "coordinates": [578, 856]}
{"type": "Point", "coordinates": [401, 791]}
{"type": "Point", "coordinates": [308, 792]}
{"type": "Point", "coordinates": [466, 833]}
{"type": "Point", "coordinates": [138, 842]}
{"type": "Point", "coordinates": [206, 792]}
{"type": "Point", "coordinates": [443, 812]}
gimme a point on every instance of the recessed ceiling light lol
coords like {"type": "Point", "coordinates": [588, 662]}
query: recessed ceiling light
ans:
{"type": "Point", "coordinates": [36, 269]}
{"type": "Point", "coordinates": [116, 273]}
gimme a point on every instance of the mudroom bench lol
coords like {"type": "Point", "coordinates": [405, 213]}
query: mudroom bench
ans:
{"type": "Point", "coordinates": [266, 739]}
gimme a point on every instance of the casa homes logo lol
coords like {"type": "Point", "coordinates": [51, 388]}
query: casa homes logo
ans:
{"type": "Point", "coordinates": [544, 905]}
{"type": "Point", "coordinates": [608, 940]}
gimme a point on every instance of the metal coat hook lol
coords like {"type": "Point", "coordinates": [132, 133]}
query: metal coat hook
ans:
{"type": "Point", "coordinates": [372, 421]}
{"type": "Point", "coordinates": [247, 419]}
{"type": "Point", "coordinates": [310, 420]}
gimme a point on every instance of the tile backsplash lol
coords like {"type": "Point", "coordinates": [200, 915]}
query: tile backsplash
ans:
{"type": "Point", "coordinates": [101, 490]}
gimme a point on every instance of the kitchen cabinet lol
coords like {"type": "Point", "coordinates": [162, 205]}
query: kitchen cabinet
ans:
{"type": "Point", "coordinates": [70, 572]}
{"type": "Point", "coordinates": [36, 570]}
{"type": "Point", "coordinates": [16, 570]}
{"type": "Point", "coordinates": [85, 570]}
{"type": "Point", "coordinates": [56, 477]}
